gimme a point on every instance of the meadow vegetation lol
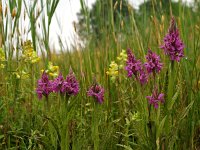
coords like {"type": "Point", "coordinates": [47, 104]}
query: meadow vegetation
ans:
{"type": "Point", "coordinates": [132, 81]}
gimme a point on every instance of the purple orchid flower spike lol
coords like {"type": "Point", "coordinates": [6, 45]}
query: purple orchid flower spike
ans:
{"type": "Point", "coordinates": [58, 83]}
{"type": "Point", "coordinates": [44, 86]}
{"type": "Point", "coordinates": [133, 66]}
{"type": "Point", "coordinates": [173, 45]}
{"type": "Point", "coordinates": [153, 63]}
{"type": "Point", "coordinates": [70, 84]}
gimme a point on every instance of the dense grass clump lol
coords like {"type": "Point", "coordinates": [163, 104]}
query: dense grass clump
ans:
{"type": "Point", "coordinates": [133, 83]}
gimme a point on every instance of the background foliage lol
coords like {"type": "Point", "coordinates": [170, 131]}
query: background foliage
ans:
{"type": "Point", "coordinates": [123, 120]}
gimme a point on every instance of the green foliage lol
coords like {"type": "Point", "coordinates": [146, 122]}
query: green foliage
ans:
{"type": "Point", "coordinates": [125, 120]}
{"type": "Point", "coordinates": [104, 17]}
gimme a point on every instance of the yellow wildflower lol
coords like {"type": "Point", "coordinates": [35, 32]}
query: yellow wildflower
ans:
{"type": "Point", "coordinates": [113, 71]}
{"type": "Point", "coordinates": [122, 58]}
{"type": "Point", "coordinates": [52, 70]}
{"type": "Point", "coordinates": [28, 54]}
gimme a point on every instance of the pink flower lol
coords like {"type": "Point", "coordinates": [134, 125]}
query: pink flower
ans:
{"type": "Point", "coordinates": [155, 98]}
{"type": "Point", "coordinates": [97, 92]}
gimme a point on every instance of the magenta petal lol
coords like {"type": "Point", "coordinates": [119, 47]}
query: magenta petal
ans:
{"type": "Point", "coordinates": [161, 96]}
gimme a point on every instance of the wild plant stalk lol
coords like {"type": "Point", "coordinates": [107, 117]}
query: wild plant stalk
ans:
{"type": "Point", "coordinates": [95, 125]}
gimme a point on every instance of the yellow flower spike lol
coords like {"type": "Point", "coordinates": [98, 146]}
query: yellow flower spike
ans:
{"type": "Point", "coordinates": [28, 53]}
{"type": "Point", "coordinates": [123, 55]}
{"type": "Point", "coordinates": [113, 71]}
{"type": "Point", "coordinates": [122, 58]}
{"type": "Point", "coordinates": [113, 65]}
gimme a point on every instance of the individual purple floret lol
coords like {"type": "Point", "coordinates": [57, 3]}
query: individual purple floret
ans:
{"type": "Point", "coordinates": [143, 77]}
{"type": "Point", "coordinates": [153, 63]}
{"type": "Point", "coordinates": [173, 46]}
{"type": "Point", "coordinates": [97, 92]}
{"type": "Point", "coordinates": [133, 66]}
{"type": "Point", "coordinates": [44, 86]}
{"type": "Point", "coordinates": [70, 85]}
{"type": "Point", "coordinates": [155, 98]}
{"type": "Point", "coordinates": [58, 83]}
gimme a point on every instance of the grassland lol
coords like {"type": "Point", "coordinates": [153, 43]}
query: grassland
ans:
{"type": "Point", "coordinates": [125, 119]}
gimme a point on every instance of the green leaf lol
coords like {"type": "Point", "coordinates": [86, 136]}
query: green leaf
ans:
{"type": "Point", "coordinates": [160, 128]}
{"type": "Point", "coordinates": [125, 147]}
{"type": "Point", "coordinates": [185, 112]}
{"type": "Point", "coordinates": [174, 98]}
{"type": "Point", "coordinates": [1, 136]}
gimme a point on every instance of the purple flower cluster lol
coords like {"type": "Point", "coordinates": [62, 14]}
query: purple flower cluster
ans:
{"type": "Point", "coordinates": [156, 98]}
{"type": "Point", "coordinates": [44, 86]}
{"type": "Point", "coordinates": [153, 63]}
{"type": "Point", "coordinates": [135, 67]}
{"type": "Point", "coordinates": [140, 71]}
{"type": "Point", "coordinates": [69, 86]}
{"type": "Point", "coordinates": [97, 92]}
{"type": "Point", "coordinates": [173, 46]}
